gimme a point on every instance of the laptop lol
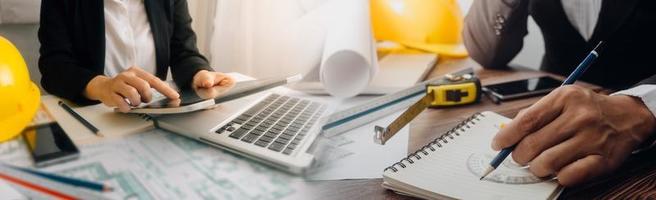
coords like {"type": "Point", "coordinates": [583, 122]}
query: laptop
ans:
{"type": "Point", "coordinates": [268, 127]}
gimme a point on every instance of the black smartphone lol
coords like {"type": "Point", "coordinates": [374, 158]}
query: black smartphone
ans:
{"type": "Point", "coordinates": [523, 88]}
{"type": "Point", "coordinates": [49, 144]}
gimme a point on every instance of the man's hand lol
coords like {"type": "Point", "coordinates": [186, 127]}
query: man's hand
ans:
{"type": "Point", "coordinates": [576, 134]}
{"type": "Point", "coordinates": [208, 79]}
{"type": "Point", "coordinates": [133, 84]}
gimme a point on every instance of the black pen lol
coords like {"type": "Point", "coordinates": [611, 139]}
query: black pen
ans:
{"type": "Point", "coordinates": [592, 56]}
{"type": "Point", "coordinates": [80, 118]}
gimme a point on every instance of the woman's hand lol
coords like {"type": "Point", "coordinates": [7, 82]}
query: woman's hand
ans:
{"type": "Point", "coordinates": [133, 84]}
{"type": "Point", "coordinates": [576, 134]}
{"type": "Point", "coordinates": [208, 79]}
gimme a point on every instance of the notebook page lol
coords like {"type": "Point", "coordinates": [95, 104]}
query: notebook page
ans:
{"type": "Point", "coordinates": [110, 123]}
{"type": "Point", "coordinates": [454, 169]}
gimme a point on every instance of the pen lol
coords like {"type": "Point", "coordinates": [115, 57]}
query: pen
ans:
{"type": "Point", "coordinates": [66, 180]}
{"type": "Point", "coordinates": [493, 98]}
{"type": "Point", "coordinates": [80, 118]}
{"type": "Point", "coordinates": [585, 64]}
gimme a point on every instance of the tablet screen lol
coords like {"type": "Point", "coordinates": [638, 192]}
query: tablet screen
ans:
{"type": "Point", "coordinates": [218, 93]}
{"type": "Point", "coordinates": [190, 97]}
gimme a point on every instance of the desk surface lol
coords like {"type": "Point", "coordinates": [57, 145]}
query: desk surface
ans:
{"type": "Point", "coordinates": [432, 122]}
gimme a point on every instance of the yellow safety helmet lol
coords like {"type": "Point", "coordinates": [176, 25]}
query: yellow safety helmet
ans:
{"type": "Point", "coordinates": [20, 99]}
{"type": "Point", "coordinates": [428, 25]}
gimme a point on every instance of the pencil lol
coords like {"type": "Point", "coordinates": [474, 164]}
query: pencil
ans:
{"type": "Point", "coordinates": [67, 180]}
{"type": "Point", "coordinates": [585, 64]}
{"type": "Point", "coordinates": [80, 118]}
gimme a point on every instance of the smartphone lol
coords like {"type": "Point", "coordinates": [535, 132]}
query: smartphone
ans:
{"type": "Point", "coordinates": [49, 144]}
{"type": "Point", "coordinates": [523, 88]}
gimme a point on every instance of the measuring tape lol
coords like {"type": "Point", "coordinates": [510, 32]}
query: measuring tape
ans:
{"type": "Point", "coordinates": [380, 107]}
{"type": "Point", "coordinates": [452, 90]}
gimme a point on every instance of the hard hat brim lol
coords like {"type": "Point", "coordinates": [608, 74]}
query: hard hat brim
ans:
{"type": "Point", "coordinates": [457, 51]}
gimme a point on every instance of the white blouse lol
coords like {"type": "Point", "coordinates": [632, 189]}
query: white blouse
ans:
{"type": "Point", "coordinates": [128, 38]}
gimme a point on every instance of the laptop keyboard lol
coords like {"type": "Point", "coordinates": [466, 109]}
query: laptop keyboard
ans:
{"type": "Point", "coordinates": [277, 123]}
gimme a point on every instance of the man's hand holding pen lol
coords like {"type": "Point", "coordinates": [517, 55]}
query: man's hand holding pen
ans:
{"type": "Point", "coordinates": [576, 134]}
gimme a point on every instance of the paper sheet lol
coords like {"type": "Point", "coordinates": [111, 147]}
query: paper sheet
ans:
{"type": "Point", "coordinates": [354, 155]}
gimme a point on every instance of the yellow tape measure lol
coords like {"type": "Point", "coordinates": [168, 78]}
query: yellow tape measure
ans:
{"type": "Point", "coordinates": [453, 90]}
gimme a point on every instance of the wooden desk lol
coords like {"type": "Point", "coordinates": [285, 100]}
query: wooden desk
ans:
{"type": "Point", "coordinates": [428, 125]}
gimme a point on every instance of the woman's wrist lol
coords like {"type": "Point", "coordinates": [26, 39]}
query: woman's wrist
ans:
{"type": "Point", "coordinates": [92, 90]}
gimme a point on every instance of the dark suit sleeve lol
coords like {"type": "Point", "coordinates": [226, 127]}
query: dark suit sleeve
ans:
{"type": "Point", "coordinates": [494, 31]}
{"type": "Point", "coordinates": [61, 73]}
{"type": "Point", "coordinates": [185, 58]}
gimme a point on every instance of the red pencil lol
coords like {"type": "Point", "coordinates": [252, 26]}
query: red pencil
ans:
{"type": "Point", "coordinates": [26, 184]}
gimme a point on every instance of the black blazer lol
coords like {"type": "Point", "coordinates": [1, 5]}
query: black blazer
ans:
{"type": "Point", "coordinates": [72, 36]}
{"type": "Point", "coordinates": [494, 32]}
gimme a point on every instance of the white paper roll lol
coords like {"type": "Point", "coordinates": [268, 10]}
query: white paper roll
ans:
{"type": "Point", "coordinates": [348, 61]}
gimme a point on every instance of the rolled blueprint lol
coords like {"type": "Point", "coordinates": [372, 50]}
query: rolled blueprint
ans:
{"type": "Point", "coordinates": [348, 62]}
{"type": "Point", "coordinates": [333, 46]}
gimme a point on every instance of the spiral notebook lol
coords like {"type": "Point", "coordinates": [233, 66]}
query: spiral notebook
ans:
{"type": "Point", "coordinates": [450, 166]}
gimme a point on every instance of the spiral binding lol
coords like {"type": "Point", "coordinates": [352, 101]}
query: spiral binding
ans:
{"type": "Point", "coordinates": [439, 141]}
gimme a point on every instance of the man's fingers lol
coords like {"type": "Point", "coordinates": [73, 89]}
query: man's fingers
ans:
{"type": "Point", "coordinates": [119, 102]}
{"type": "Point", "coordinates": [158, 84]}
{"type": "Point", "coordinates": [582, 170]}
{"type": "Point", "coordinates": [128, 92]}
{"type": "Point", "coordinates": [552, 160]}
{"type": "Point", "coordinates": [529, 120]}
{"type": "Point", "coordinates": [142, 87]}
{"type": "Point", "coordinates": [548, 136]}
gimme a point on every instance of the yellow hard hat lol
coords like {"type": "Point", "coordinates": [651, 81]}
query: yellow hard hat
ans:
{"type": "Point", "coordinates": [429, 25]}
{"type": "Point", "coordinates": [20, 96]}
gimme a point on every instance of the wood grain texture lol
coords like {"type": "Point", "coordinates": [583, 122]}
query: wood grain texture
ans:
{"type": "Point", "coordinates": [433, 122]}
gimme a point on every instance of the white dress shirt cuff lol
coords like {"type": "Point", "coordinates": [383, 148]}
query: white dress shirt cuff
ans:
{"type": "Point", "coordinates": [646, 93]}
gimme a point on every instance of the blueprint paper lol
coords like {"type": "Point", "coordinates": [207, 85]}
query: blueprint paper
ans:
{"type": "Point", "coordinates": [163, 165]}
{"type": "Point", "coordinates": [8, 192]}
